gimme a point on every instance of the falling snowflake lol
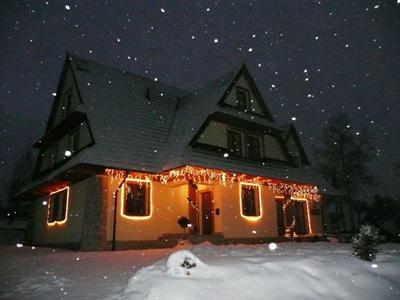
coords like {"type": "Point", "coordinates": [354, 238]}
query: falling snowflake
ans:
{"type": "Point", "coordinates": [294, 118]}
{"type": "Point", "coordinates": [215, 41]}
{"type": "Point", "coordinates": [67, 7]}
{"type": "Point", "coordinates": [250, 50]}
{"type": "Point", "coordinates": [163, 10]}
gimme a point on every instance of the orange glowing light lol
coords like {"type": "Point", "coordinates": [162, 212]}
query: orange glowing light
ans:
{"type": "Point", "coordinates": [66, 208]}
{"type": "Point", "coordinates": [205, 175]}
{"type": "Point", "coordinates": [250, 218]}
{"type": "Point", "coordinates": [122, 209]}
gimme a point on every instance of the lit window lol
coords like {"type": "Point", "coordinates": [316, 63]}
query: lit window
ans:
{"type": "Point", "coordinates": [250, 197]}
{"type": "Point", "coordinates": [235, 142]}
{"type": "Point", "coordinates": [58, 207]}
{"type": "Point", "coordinates": [137, 199]}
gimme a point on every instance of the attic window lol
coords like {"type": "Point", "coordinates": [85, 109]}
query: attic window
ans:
{"type": "Point", "coordinates": [242, 99]}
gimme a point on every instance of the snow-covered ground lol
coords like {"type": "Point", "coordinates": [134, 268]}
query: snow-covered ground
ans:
{"type": "Point", "coordinates": [292, 271]}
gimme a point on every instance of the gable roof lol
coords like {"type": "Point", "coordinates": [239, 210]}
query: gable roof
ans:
{"type": "Point", "coordinates": [290, 130]}
{"type": "Point", "coordinates": [152, 134]}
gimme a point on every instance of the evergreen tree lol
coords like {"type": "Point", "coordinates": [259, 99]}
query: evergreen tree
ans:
{"type": "Point", "coordinates": [343, 160]}
{"type": "Point", "coordinates": [365, 243]}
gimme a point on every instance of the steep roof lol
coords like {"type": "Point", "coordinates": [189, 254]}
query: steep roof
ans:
{"type": "Point", "coordinates": [144, 125]}
{"type": "Point", "coordinates": [129, 128]}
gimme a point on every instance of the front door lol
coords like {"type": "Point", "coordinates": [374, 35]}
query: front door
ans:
{"type": "Point", "coordinates": [207, 212]}
{"type": "Point", "coordinates": [291, 217]}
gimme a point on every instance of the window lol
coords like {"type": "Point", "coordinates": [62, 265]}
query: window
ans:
{"type": "Point", "coordinates": [137, 199]}
{"type": "Point", "coordinates": [58, 207]}
{"type": "Point", "coordinates": [250, 200]}
{"type": "Point", "coordinates": [254, 146]}
{"type": "Point", "coordinates": [74, 141]}
{"type": "Point", "coordinates": [242, 100]}
{"type": "Point", "coordinates": [235, 142]}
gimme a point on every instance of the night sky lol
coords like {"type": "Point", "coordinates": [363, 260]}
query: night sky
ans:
{"type": "Point", "coordinates": [310, 60]}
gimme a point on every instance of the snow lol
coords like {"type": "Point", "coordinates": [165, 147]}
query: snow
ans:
{"type": "Point", "coordinates": [290, 271]}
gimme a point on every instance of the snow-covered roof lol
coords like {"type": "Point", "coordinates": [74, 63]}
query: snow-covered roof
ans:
{"type": "Point", "coordinates": [141, 124]}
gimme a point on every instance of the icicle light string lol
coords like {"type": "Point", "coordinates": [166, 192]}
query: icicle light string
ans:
{"type": "Point", "coordinates": [200, 175]}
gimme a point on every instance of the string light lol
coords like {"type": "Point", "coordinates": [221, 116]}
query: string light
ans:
{"type": "Point", "coordinates": [50, 203]}
{"type": "Point", "coordinates": [122, 205]}
{"type": "Point", "coordinates": [204, 175]}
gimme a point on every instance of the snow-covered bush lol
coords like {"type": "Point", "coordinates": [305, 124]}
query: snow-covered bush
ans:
{"type": "Point", "coordinates": [182, 263]}
{"type": "Point", "coordinates": [365, 243]}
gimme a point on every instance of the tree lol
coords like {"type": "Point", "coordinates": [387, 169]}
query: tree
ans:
{"type": "Point", "coordinates": [343, 161]}
{"type": "Point", "coordinates": [365, 243]}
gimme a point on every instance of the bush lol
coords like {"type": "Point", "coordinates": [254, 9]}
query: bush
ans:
{"type": "Point", "coordinates": [365, 243]}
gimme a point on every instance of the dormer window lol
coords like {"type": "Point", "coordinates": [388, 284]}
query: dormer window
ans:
{"type": "Point", "coordinates": [254, 146]}
{"type": "Point", "coordinates": [74, 141]}
{"type": "Point", "coordinates": [235, 142]}
{"type": "Point", "coordinates": [245, 144]}
{"type": "Point", "coordinates": [242, 99]}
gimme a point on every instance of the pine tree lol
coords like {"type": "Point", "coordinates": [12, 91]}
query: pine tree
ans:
{"type": "Point", "coordinates": [365, 243]}
{"type": "Point", "coordinates": [343, 160]}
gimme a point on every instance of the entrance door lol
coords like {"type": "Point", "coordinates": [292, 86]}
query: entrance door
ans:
{"type": "Point", "coordinates": [207, 212]}
{"type": "Point", "coordinates": [299, 210]}
{"type": "Point", "coordinates": [294, 214]}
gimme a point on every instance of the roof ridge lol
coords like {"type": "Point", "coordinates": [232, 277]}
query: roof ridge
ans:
{"type": "Point", "coordinates": [125, 72]}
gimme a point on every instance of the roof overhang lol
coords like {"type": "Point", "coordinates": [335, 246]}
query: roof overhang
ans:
{"type": "Point", "coordinates": [63, 179]}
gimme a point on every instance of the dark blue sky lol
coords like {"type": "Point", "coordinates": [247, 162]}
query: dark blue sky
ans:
{"type": "Point", "coordinates": [310, 59]}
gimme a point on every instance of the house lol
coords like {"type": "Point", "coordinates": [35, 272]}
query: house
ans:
{"type": "Point", "coordinates": [123, 157]}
